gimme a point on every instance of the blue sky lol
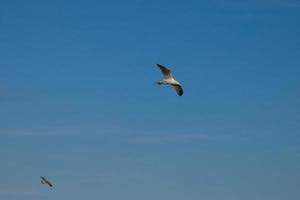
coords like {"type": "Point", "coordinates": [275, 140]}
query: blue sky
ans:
{"type": "Point", "coordinates": [79, 102]}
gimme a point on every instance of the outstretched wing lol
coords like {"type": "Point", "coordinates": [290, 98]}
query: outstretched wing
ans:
{"type": "Point", "coordinates": [179, 90]}
{"type": "Point", "coordinates": [50, 184]}
{"type": "Point", "coordinates": [166, 72]}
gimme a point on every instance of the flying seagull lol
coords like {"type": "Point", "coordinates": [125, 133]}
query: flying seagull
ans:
{"type": "Point", "coordinates": [169, 80]}
{"type": "Point", "coordinates": [44, 180]}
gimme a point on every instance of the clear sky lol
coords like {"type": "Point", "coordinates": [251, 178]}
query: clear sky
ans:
{"type": "Point", "coordinates": [79, 103]}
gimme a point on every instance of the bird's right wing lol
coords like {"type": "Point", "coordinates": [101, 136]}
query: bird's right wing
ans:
{"type": "Point", "coordinates": [166, 72]}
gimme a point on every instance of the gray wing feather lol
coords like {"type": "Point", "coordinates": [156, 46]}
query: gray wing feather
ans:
{"type": "Point", "coordinates": [179, 90]}
{"type": "Point", "coordinates": [166, 72]}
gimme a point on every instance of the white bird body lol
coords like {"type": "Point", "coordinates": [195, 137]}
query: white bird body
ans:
{"type": "Point", "coordinates": [169, 80]}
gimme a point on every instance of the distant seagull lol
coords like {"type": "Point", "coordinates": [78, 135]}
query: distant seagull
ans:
{"type": "Point", "coordinates": [44, 180]}
{"type": "Point", "coordinates": [169, 80]}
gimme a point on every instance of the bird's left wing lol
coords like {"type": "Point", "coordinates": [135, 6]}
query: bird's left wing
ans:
{"type": "Point", "coordinates": [179, 90]}
{"type": "Point", "coordinates": [50, 184]}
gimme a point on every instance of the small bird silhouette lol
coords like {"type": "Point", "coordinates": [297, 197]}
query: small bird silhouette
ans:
{"type": "Point", "coordinates": [44, 180]}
